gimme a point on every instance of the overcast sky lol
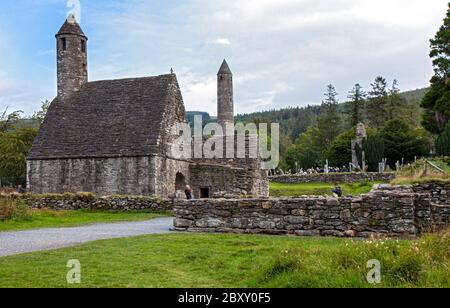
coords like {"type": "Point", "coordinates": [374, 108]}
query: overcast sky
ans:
{"type": "Point", "coordinates": [282, 52]}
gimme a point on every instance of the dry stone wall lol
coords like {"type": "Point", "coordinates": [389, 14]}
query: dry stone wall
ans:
{"type": "Point", "coordinates": [91, 202]}
{"type": "Point", "coordinates": [333, 178]}
{"type": "Point", "coordinates": [386, 211]}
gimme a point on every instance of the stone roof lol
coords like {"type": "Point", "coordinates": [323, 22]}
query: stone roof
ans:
{"type": "Point", "coordinates": [224, 69]}
{"type": "Point", "coordinates": [71, 27]}
{"type": "Point", "coordinates": [112, 118]}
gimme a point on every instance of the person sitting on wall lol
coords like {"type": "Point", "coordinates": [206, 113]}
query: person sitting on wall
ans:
{"type": "Point", "coordinates": [189, 193]}
{"type": "Point", "coordinates": [337, 191]}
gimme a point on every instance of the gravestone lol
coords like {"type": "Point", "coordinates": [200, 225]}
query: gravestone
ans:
{"type": "Point", "coordinates": [361, 134]}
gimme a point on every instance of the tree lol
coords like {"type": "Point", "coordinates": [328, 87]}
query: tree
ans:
{"type": "Point", "coordinates": [357, 100]}
{"type": "Point", "coordinates": [306, 152]}
{"type": "Point", "coordinates": [374, 150]}
{"type": "Point", "coordinates": [14, 148]}
{"type": "Point", "coordinates": [8, 120]}
{"type": "Point", "coordinates": [443, 142]}
{"type": "Point", "coordinates": [437, 100]}
{"type": "Point", "coordinates": [440, 48]}
{"type": "Point", "coordinates": [403, 142]}
{"type": "Point", "coordinates": [340, 151]}
{"type": "Point", "coordinates": [436, 103]}
{"type": "Point", "coordinates": [40, 115]}
{"type": "Point", "coordinates": [377, 104]}
{"type": "Point", "coordinates": [396, 103]}
{"type": "Point", "coordinates": [329, 124]}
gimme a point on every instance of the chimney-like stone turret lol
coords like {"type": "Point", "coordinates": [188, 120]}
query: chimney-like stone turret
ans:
{"type": "Point", "coordinates": [71, 47]}
{"type": "Point", "coordinates": [225, 103]}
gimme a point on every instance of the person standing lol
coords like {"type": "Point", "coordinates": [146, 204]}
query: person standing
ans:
{"type": "Point", "coordinates": [189, 193]}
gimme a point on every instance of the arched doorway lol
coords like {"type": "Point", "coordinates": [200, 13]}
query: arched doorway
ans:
{"type": "Point", "coordinates": [180, 181]}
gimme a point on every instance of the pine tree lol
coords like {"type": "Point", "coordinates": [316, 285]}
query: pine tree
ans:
{"type": "Point", "coordinates": [374, 149]}
{"type": "Point", "coordinates": [403, 142]}
{"type": "Point", "coordinates": [357, 100]}
{"type": "Point", "coordinates": [443, 142]}
{"type": "Point", "coordinates": [437, 100]}
{"type": "Point", "coordinates": [377, 106]}
{"type": "Point", "coordinates": [396, 103]}
{"type": "Point", "coordinates": [329, 123]}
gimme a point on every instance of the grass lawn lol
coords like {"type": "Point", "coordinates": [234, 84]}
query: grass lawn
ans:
{"type": "Point", "coordinates": [212, 260]}
{"type": "Point", "coordinates": [51, 219]}
{"type": "Point", "coordinates": [293, 190]}
{"type": "Point", "coordinates": [442, 164]}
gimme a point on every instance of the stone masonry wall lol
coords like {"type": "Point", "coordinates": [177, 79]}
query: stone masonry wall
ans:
{"type": "Point", "coordinates": [432, 206]}
{"type": "Point", "coordinates": [333, 178]}
{"type": "Point", "coordinates": [90, 202]}
{"type": "Point", "coordinates": [439, 193]}
{"type": "Point", "coordinates": [386, 211]}
{"type": "Point", "coordinates": [102, 176]}
{"type": "Point", "coordinates": [231, 180]}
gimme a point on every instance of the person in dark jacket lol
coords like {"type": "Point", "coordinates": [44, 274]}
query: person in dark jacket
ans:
{"type": "Point", "coordinates": [189, 193]}
{"type": "Point", "coordinates": [337, 191]}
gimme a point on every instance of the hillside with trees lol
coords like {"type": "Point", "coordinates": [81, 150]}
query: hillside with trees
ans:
{"type": "Point", "coordinates": [308, 139]}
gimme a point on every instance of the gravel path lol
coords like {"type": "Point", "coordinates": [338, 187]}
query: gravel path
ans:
{"type": "Point", "coordinates": [13, 243]}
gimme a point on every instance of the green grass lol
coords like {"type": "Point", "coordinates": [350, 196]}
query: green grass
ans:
{"type": "Point", "coordinates": [415, 173]}
{"type": "Point", "coordinates": [293, 190]}
{"type": "Point", "coordinates": [443, 164]}
{"type": "Point", "coordinates": [211, 260]}
{"type": "Point", "coordinates": [52, 219]}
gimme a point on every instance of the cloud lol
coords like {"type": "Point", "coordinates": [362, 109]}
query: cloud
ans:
{"type": "Point", "coordinates": [282, 52]}
{"type": "Point", "coordinates": [199, 91]}
{"type": "Point", "coordinates": [223, 41]}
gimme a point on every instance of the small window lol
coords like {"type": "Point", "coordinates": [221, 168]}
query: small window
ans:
{"type": "Point", "coordinates": [64, 43]}
{"type": "Point", "coordinates": [83, 46]}
{"type": "Point", "coordinates": [204, 193]}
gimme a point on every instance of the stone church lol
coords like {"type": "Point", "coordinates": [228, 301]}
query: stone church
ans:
{"type": "Point", "coordinates": [113, 136]}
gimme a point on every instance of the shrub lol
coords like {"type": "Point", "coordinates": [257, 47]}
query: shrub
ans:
{"type": "Point", "coordinates": [84, 196]}
{"type": "Point", "coordinates": [6, 209]}
{"type": "Point", "coordinates": [14, 209]}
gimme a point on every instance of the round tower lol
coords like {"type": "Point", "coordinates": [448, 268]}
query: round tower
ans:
{"type": "Point", "coordinates": [71, 47]}
{"type": "Point", "coordinates": [225, 104]}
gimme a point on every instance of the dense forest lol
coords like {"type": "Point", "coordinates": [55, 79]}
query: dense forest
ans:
{"type": "Point", "coordinates": [308, 133]}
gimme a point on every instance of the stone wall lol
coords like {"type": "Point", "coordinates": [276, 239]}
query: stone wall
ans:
{"type": "Point", "coordinates": [166, 175]}
{"type": "Point", "coordinates": [432, 206]}
{"type": "Point", "coordinates": [231, 180]}
{"type": "Point", "coordinates": [101, 176]}
{"type": "Point", "coordinates": [90, 202]}
{"type": "Point", "coordinates": [386, 211]}
{"type": "Point", "coordinates": [106, 176]}
{"type": "Point", "coordinates": [439, 193]}
{"type": "Point", "coordinates": [333, 178]}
